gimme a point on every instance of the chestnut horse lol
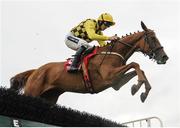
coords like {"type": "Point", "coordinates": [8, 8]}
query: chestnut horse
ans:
{"type": "Point", "coordinates": [107, 68]}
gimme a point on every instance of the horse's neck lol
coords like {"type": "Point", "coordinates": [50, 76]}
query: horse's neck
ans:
{"type": "Point", "coordinates": [131, 40]}
{"type": "Point", "coordinates": [121, 48]}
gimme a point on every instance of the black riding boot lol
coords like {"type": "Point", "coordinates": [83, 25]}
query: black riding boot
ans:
{"type": "Point", "coordinates": [77, 57]}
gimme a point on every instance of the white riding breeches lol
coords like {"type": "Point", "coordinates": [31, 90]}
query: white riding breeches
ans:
{"type": "Point", "coordinates": [75, 43]}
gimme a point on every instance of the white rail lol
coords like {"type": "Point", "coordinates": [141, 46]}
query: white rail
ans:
{"type": "Point", "coordinates": [147, 121]}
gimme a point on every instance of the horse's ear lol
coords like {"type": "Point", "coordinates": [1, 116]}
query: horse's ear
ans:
{"type": "Point", "coordinates": [143, 26]}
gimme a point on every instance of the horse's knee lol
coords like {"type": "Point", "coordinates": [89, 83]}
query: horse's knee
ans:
{"type": "Point", "coordinates": [149, 88]}
{"type": "Point", "coordinates": [142, 71]}
{"type": "Point", "coordinates": [116, 87]}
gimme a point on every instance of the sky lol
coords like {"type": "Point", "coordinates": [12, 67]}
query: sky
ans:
{"type": "Point", "coordinates": [33, 33]}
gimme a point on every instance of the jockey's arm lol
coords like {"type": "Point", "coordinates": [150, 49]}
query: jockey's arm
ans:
{"type": "Point", "coordinates": [90, 29]}
{"type": "Point", "coordinates": [101, 43]}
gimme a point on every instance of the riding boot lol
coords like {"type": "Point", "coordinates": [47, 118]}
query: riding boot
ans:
{"type": "Point", "coordinates": [77, 57]}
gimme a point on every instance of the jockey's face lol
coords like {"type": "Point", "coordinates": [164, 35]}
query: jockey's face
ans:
{"type": "Point", "coordinates": [104, 24]}
{"type": "Point", "coordinates": [103, 27]}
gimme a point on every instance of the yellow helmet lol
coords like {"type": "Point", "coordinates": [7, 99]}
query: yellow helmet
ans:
{"type": "Point", "coordinates": [106, 17]}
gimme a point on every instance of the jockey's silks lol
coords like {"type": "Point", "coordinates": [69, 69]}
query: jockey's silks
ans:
{"type": "Point", "coordinates": [89, 31]}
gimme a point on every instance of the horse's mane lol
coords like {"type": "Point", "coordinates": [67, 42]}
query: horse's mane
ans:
{"type": "Point", "coordinates": [131, 35]}
{"type": "Point", "coordinates": [127, 37]}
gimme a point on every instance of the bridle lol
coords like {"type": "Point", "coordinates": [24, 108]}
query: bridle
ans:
{"type": "Point", "coordinates": [151, 52]}
{"type": "Point", "coordinates": [153, 49]}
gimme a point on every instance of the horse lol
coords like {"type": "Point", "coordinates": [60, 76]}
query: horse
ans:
{"type": "Point", "coordinates": [107, 68]}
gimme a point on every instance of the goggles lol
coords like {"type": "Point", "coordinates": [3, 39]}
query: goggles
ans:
{"type": "Point", "coordinates": [107, 23]}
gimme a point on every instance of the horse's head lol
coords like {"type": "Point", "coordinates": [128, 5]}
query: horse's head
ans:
{"type": "Point", "coordinates": [151, 46]}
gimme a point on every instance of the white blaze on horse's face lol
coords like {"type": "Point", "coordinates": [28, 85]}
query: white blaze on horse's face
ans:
{"type": "Point", "coordinates": [153, 47]}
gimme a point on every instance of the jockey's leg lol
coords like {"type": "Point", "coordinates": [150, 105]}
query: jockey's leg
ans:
{"type": "Point", "coordinates": [78, 45]}
{"type": "Point", "coordinates": [76, 60]}
{"type": "Point", "coordinates": [72, 41]}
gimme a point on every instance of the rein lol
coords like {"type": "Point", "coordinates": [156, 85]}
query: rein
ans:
{"type": "Point", "coordinates": [133, 48]}
{"type": "Point", "coordinates": [125, 44]}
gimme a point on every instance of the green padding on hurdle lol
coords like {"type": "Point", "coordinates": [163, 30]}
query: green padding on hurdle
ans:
{"type": "Point", "coordinates": [13, 122]}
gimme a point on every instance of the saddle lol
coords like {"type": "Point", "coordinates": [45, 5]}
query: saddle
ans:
{"type": "Point", "coordinates": [83, 66]}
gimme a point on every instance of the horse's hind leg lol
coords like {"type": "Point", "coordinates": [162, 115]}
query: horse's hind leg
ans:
{"type": "Point", "coordinates": [51, 95]}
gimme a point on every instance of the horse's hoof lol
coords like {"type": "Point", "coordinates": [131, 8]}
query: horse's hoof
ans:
{"type": "Point", "coordinates": [134, 89]}
{"type": "Point", "coordinates": [143, 97]}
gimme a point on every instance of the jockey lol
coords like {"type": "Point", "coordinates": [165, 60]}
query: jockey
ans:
{"type": "Point", "coordinates": [85, 32]}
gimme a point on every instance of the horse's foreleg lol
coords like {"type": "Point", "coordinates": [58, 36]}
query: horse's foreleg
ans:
{"type": "Point", "coordinates": [123, 79]}
{"type": "Point", "coordinates": [135, 88]}
{"type": "Point", "coordinates": [141, 78]}
{"type": "Point", "coordinates": [123, 69]}
{"type": "Point", "coordinates": [147, 89]}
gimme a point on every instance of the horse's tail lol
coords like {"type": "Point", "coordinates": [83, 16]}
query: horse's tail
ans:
{"type": "Point", "coordinates": [18, 81]}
